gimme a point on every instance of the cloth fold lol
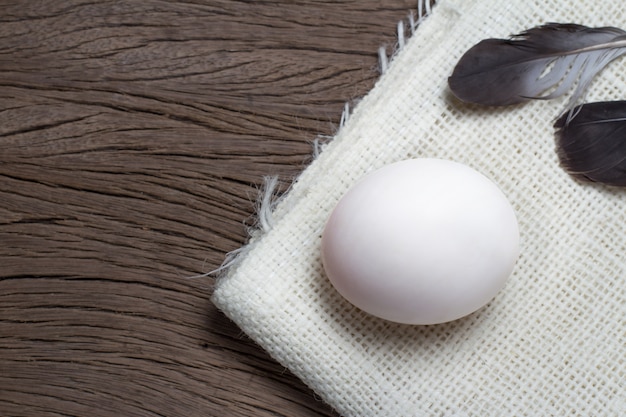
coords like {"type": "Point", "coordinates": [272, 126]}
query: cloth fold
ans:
{"type": "Point", "coordinates": [552, 342]}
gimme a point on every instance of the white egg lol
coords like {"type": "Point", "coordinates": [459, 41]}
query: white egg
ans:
{"type": "Point", "coordinates": [421, 241]}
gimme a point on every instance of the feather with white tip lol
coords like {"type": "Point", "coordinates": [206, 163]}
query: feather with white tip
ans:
{"type": "Point", "coordinates": [541, 63]}
{"type": "Point", "coordinates": [591, 144]}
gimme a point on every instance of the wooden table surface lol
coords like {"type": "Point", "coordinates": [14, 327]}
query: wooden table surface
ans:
{"type": "Point", "coordinates": [134, 136]}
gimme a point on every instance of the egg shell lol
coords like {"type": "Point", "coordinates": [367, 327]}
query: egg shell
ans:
{"type": "Point", "coordinates": [421, 241]}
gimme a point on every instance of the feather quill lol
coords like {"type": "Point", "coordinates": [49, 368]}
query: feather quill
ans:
{"type": "Point", "coordinates": [591, 145]}
{"type": "Point", "coordinates": [541, 63]}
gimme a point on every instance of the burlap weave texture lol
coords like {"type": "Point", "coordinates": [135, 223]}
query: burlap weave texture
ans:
{"type": "Point", "coordinates": [553, 341]}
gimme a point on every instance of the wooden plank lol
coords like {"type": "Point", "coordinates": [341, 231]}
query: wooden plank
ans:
{"type": "Point", "coordinates": [133, 138]}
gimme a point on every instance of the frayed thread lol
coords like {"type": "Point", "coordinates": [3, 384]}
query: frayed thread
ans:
{"type": "Point", "coordinates": [265, 207]}
{"type": "Point", "coordinates": [424, 8]}
{"type": "Point", "coordinates": [345, 115]}
{"type": "Point", "coordinates": [266, 202]}
{"type": "Point", "coordinates": [320, 142]}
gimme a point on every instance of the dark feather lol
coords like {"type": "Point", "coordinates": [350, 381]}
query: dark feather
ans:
{"type": "Point", "coordinates": [591, 142]}
{"type": "Point", "coordinates": [542, 63]}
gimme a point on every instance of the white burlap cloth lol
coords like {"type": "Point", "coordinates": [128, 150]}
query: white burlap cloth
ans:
{"type": "Point", "coordinates": [553, 341]}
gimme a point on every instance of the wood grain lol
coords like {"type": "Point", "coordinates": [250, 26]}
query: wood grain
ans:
{"type": "Point", "coordinates": [133, 138]}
